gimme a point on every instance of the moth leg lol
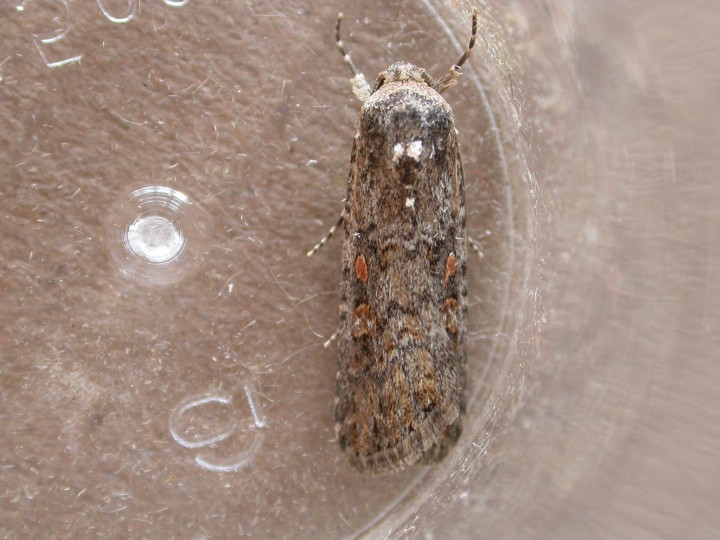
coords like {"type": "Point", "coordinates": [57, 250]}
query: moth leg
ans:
{"type": "Point", "coordinates": [328, 236]}
{"type": "Point", "coordinates": [331, 339]}
{"type": "Point", "coordinates": [450, 78]}
{"type": "Point", "coordinates": [475, 247]}
{"type": "Point", "coordinates": [361, 88]}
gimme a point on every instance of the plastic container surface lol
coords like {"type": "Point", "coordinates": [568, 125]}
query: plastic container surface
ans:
{"type": "Point", "coordinates": [166, 165]}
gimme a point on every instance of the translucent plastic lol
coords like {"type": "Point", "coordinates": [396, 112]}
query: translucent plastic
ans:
{"type": "Point", "coordinates": [164, 167]}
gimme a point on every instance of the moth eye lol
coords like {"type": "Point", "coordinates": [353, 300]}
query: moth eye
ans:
{"type": "Point", "coordinates": [379, 83]}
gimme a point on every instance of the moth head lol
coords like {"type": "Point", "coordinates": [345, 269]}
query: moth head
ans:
{"type": "Point", "coordinates": [402, 72]}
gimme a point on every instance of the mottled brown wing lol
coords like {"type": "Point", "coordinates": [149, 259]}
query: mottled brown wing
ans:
{"type": "Point", "coordinates": [401, 371]}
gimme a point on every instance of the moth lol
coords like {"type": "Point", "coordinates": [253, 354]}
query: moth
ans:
{"type": "Point", "coordinates": [400, 393]}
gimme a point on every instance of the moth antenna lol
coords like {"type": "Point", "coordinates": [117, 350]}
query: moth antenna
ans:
{"type": "Point", "coordinates": [361, 88]}
{"type": "Point", "coordinates": [450, 78]}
